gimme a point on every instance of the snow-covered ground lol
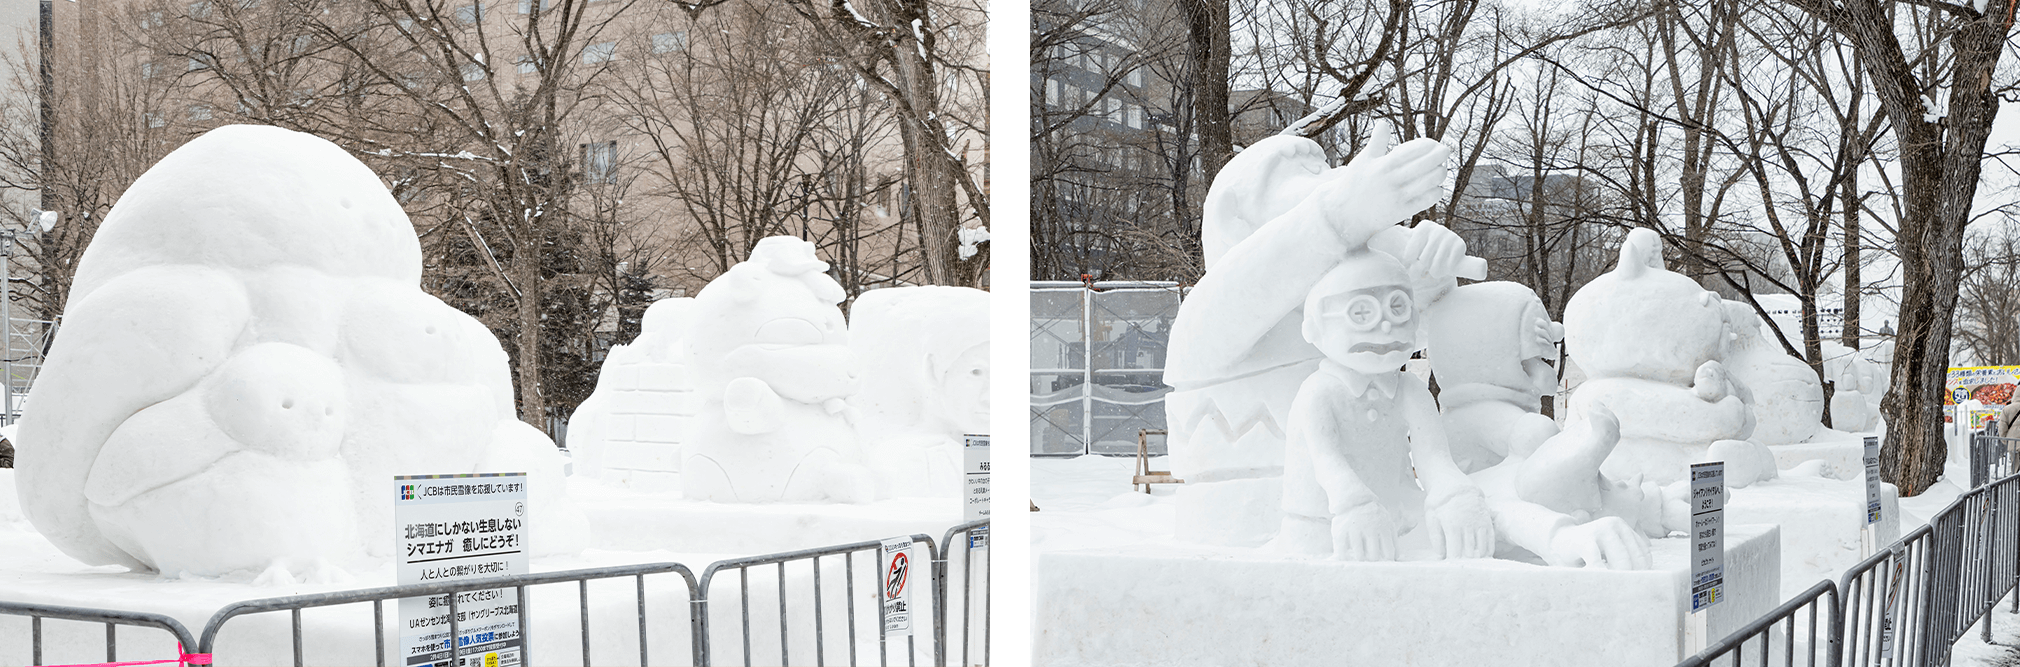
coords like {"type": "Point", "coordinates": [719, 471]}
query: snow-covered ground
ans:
{"type": "Point", "coordinates": [1087, 503]}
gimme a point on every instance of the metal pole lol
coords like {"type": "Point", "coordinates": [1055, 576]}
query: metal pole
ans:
{"type": "Point", "coordinates": [1087, 369]}
{"type": "Point", "coordinates": [7, 323]}
{"type": "Point", "coordinates": [47, 47]}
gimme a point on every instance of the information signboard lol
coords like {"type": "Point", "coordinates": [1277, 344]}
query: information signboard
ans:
{"type": "Point", "coordinates": [1872, 461]}
{"type": "Point", "coordinates": [451, 527]}
{"type": "Point", "coordinates": [1707, 521]}
{"type": "Point", "coordinates": [975, 449]}
{"type": "Point", "coordinates": [897, 588]}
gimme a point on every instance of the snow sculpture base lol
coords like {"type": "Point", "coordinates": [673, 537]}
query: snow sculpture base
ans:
{"type": "Point", "coordinates": [1843, 454]}
{"type": "Point", "coordinates": [1197, 605]}
{"type": "Point", "coordinates": [624, 519]}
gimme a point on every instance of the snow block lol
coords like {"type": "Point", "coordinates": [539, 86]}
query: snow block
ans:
{"type": "Point", "coordinates": [643, 456]}
{"type": "Point", "coordinates": [1172, 605]}
{"type": "Point", "coordinates": [1820, 520]}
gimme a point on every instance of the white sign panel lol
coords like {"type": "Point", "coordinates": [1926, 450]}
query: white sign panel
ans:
{"type": "Point", "coordinates": [451, 527]}
{"type": "Point", "coordinates": [1707, 537]}
{"type": "Point", "coordinates": [976, 491]}
{"type": "Point", "coordinates": [1872, 480]}
{"type": "Point", "coordinates": [897, 589]}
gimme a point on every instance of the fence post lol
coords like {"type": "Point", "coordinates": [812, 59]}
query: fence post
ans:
{"type": "Point", "coordinates": [940, 602]}
{"type": "Point", "coordinates": [698, 617]}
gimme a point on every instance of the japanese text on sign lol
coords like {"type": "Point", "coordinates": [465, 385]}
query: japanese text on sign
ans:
{"type": "Point", "coordinates": [1707, 536]}
{"type": "Point", "coordinates": [897, 589]}
{"type": "Point", "coordinates": [1872, 480]}
{"type": "Point", "coordinates": [449, 527]}
{"type": "Point", "coordinates": [976, 491]}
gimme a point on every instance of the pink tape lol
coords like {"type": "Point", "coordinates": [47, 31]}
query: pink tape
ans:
{"type": "Point", "coordinates": [184, 658]}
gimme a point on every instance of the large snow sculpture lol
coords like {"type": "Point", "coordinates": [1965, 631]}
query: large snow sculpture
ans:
{"type": "Point", "coordinates": [631, 428]}
{"type": "Point", "coordinates": [772, 373]}
{"type": "Point", "coordinates": [1277, 221]}
{"type": "Point", "coordinates": [246, 362]}
{"type": "Point", "coordinates": [1787, 400]}
{"type": "Point", "coordinates": [1650, 343]}
{"type": "Point", "coordinates": [924, 354]}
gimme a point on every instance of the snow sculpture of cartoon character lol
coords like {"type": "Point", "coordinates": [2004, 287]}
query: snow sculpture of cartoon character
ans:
{"type": "Point", "coordinates": [631, 428]}
{"type": "Point", "coordinates": [772, 375]}
{"type": "Point", "coordinates": [1363, 434]}
{"type": "Point", "coordinates": [1278, 220]}
{"type": "Point", "coordinates": [1491, 350]}
{"type": "Point", "coordinates": [924, 352]}
{"type": "Point", "coordinates": [1650, 341]}
{"type": "Point", "coordinates": [1786, 400]}
{"type": "Point", "coordinates": [247, 359]}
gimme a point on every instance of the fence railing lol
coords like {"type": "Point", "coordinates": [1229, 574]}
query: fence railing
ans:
{"type": "Point", "coordinates": [112, 619]}
{"type": "Point", "coordinates": [1803, 631]}
{"type": "Point", "coordinates": [1905, 606]}
{"type": "Point", "coordinates": [687, 591]}
{"type": "Point", "coordinates": [1993, 457]}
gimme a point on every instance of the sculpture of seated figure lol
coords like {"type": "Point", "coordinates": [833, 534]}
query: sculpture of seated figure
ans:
{"type": "Point", "coordinates": [1650, 342]}
{"type": "Point", "coordinates": [772, 375]}
{"type": "Point", "coordinates": [1362, 433]}
{"type": "Point", "coordinates": [1492, 347]}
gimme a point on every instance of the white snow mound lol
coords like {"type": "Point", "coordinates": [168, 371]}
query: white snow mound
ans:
{"type": "Point", "coordinates": [247, 359]}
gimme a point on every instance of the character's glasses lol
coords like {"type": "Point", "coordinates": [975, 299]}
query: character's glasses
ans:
{"type": "Point", "coordinates": [1364, 311]}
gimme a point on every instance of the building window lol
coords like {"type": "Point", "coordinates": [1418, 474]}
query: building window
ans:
{"type": "Point", "coordinates": [526, 65]}
{"type": "Point", "coordinates": [470, 13]}
{"type": "Point", "coordinates": [154, 119]}
{"type": "Point", "coordinates": [473, 71]}
{"type": "Point", "coordinates": [599, 162]}
{"type": "Point", "coordinates": [147, 70]}
{"type": "Point", "coordinates": [199, 112]}
{"type": "Point", "coordinates": [196, 64]}
{"type": "Point", "coordinates": [526, 6]}
{"type": "Point", "coordinates": [667, 42]}
{"type": "Point", "coordinates": [600, 52]}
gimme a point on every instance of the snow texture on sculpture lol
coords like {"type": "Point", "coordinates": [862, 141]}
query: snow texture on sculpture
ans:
{"type": "Point", "coordinates": [1786, 399]}
{"type": "Point", "coordinates": [772, 374]}
{"type": "Point", "coordinates": [1492, 351]}
{"type": "Point", "coordinates": [924, 354]}
{"type": "Point", "coordinates": [1365, 457]}
{"type": "Point", "coordinates": [1278, 220]}
{"type": "Point", "coordinates": [247, 360]}
{"type": "Point", "coordinates": [1650, 343]}
{"type": "Point", "coordinates": [631, 427]}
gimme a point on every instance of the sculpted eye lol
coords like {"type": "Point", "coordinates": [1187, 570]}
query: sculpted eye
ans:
{"type": "Point", "coordinates": [789, 331]}
{"type": "Point", "coordinates": [1399, 306]}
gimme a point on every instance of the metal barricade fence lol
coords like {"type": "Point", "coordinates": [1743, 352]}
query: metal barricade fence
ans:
{"type": "Point", "coordinates": [1884, 609]}
{"type": "Point", "coordinates": [1785, 637]}
{"type": "Point", "coordinates": [846, 554]}
{"type": "Point", "coordinates": [294, 605]}
{"type": "Point", "coordinates": [970, 576]}
{"type": "Point", "coordinates": [1908, 604]}
{"type": "Point", "coordinates": [111, 618]}
{"type": "Point", "coordinates": [1993, 457]}
{"type": "Point", "coordinates": [971, 541]}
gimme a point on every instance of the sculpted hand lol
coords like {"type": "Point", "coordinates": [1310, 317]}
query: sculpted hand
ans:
{"type": "Point", "coordinates": [1606, 542]}
{"type": "Point", "coordinates": [1364, 532]}
{"type": "Point", "coordinates": [1461, 526]}
{"type": "Point", "coordinates": [1382, 187]}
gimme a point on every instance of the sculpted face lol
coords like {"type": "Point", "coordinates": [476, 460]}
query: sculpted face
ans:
{"type": "Point", "coordinates": [1362, 314]}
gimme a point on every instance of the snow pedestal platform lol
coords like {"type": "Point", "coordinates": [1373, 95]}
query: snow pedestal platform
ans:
{"type": "Point", "coordinates": [622, 519]}
{"type": "Point", "coordinates": [1195, 605]}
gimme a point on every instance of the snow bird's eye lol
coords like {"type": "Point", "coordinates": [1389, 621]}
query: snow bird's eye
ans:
{"type": "Point", "coordinates": [789, 331]}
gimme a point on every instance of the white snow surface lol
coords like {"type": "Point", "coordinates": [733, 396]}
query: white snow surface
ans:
{"type": "Point", "coordinates": [923, 353]}
{"type": "Point", "coordinates": [772, 374]}
{"type": "Point", "coordinates": [630, 428]}
{"type": "Point", "coordinates": [248, 359]}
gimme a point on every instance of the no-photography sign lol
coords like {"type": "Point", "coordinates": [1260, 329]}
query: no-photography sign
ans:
{"type": "Point", "coordinates": [897, 560]}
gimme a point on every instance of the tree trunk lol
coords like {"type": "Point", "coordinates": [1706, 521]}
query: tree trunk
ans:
{"type": "Point", "coordinates": [1207, 33]}
{"type": "Point", "coordinates": [1940, 165]}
